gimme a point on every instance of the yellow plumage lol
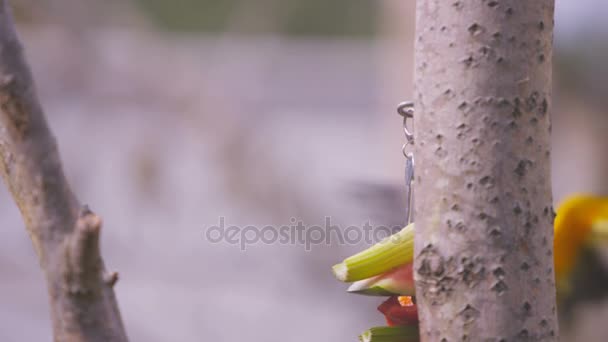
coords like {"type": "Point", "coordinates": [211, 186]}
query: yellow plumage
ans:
{"type": "Point", "coordinates": [579, 219]}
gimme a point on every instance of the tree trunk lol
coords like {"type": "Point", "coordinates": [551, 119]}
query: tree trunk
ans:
{"type": "Point", "coordinates": [64, 233]}
{"type": "Point", "coordinates": [484, 251]}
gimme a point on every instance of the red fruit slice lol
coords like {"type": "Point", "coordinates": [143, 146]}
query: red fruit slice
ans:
{"type": "Point", "coordinates": [398, 315]}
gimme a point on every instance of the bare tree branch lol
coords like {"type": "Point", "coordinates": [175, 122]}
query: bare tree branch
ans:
{"type": "Point", "coordinates": [484, 251]}
{"type": "Point", "coordinates": [65, 234]}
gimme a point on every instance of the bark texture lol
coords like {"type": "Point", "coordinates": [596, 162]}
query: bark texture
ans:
{"type": "Point", "coordinates": [484, 251]}
{"type": "Point", "coordinates": [64, 233]}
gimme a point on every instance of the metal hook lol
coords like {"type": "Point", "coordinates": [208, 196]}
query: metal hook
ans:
{"type": "Point", "coordinates": [406, 110]}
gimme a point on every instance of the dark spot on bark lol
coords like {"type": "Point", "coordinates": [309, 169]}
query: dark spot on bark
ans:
{"type": "Point", "coordinates": [471, 271]}
{"type": "Point", "coordinates": [460, 227]}
{"type": "Point", "coordinates": [523, 335]}
{"type": "Point", "coordinates": [516, 112]}
{"type": "Point", "coordinates": [475, 29]}
{"type": "Point", "coordinates": [440, 152]}
{"type": "Point", "coordinates": [528, 227]}
{"type": "Point", "coordinates": [468, 61]}
{"type": "Point", "coordinates": [455, 207]}
{"type": "Point", "coordinates": [527, 308]}
{"type": "Point", "coordinates": [432, 262]}
{"type": "Point", "coordinates": [468, 315]}
{"type": "Point", "coordinates": [489, 53]}
{"type": "Point", "coordinates": [534, 121]}
{"type": "Point", "coordinates": [495, 232]}
{"type": "Point", "coordinates": [500, 287]}
{"type": "Point", "coordinates": [492, 3]}
{"type": "Point", "coordinates": [516, 102]}
{"type": "Point", "coordinates": [482, 216]}
{"type": "Point", "coordinates": [524, 266]}
{"type": "Point", "coordinates": [541, 25]}
{"type": "Point", "coordinates": [469, 186]}
{"type": "Point", "coordinates": [516, 209]}
{"type": "Point", "coordinates": [434, 273]}
{"type": "Point", "coordinates": [499, 273]}
{"type": "Point", "coordinates": [522, 167]}
{"type": "Point", "coordinates": [509, 11]}
{"type": "Point", "coordinates": [486, 181]}
{"type": "Point", "coordinates": [541, 58]}
{"type": "Point", "coordinates": [544, 107]}
{"type": "Point", "coordinates": [532, 101]}
{"type": "Point", "coordinates": [502, 102]}
{"type": "Point", "coordinates": [462, 106]}
{"type": "Point", "coordinates": [529, 140]}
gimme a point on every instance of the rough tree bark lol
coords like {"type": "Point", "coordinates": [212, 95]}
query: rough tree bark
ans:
{"type": "Point", "coordinates": [64, 233]}
{"type": "Point", "coordinates": [484, 259]}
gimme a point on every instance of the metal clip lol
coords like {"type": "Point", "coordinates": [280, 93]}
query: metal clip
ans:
{"type": "Point", "coordinates": [406, 110]}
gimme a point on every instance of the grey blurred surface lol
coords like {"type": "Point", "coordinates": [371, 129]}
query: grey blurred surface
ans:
{"type": "Point", "coordinates": [160, 148]}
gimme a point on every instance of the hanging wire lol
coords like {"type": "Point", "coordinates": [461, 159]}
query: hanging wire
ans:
{"type": "Point", "coordinates": [406, 110]}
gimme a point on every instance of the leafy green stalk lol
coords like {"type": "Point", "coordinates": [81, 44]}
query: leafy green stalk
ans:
{"type": "Point", "coordinates": [391, 334]}
{"type": "Point", "coordinates": [387, 254]}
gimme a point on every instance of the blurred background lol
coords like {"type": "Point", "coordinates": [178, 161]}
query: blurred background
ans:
{"type": "Point", "coordinates": [170, 114]}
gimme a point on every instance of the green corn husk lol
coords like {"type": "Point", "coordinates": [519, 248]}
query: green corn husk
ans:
{"type": "Point", "coordinates": [387, 254]}
{"type": "Point", "coordinates": [397, 282]}
{"type": "Point", "coordinates": [390, 334]}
